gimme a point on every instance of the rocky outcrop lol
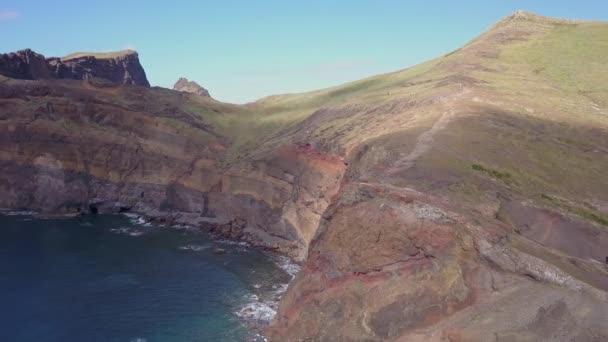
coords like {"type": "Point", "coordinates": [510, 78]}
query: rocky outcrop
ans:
{"type": "Point", "coordinates": [393, 264]}
{"type": "Point", "coordinates": [190, 87]}
{"type": "Point", "coordinates": [119, 68]}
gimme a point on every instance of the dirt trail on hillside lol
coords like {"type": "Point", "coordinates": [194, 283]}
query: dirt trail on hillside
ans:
{"type": "Point", "coordinates": [424, 142]}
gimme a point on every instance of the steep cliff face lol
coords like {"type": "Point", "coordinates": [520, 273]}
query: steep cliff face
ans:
{"type": "Point", "coordinates": [190, 87]}
{"type": "Point", "coordinates": [463, 199]}
{"type": "Point", "coordinates": [69, 149]}
{"type": "Point", "coordinates": [121, 67]}
{"type": "Point", "coordinates": [451, 221]}
{"type": "Point", "coordinates": [24, 64]}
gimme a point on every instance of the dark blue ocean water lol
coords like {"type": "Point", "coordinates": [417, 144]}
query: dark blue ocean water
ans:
{"type": "Point", "coordinates": [104, 278]}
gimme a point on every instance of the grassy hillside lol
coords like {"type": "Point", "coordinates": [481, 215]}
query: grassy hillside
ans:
{"type": "Point", "coordinates": [514, 61]}
{"type": "Point", "coordinates": [521, 109]}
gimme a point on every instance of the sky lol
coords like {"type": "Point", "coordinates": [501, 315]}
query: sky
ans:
{"type": "Point", "coordinates": [244, 50]}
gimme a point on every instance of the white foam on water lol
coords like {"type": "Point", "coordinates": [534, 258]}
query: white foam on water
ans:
{"type": "Point", "coordinates": [287, 265]}
{"type": "Point", "coordinates": [259, 338]}
{"type": "Point", "coordinates": [132, 231]}
{"type": "Point", "coordinates": [234, 243]}
{"type": "Point", "coordinates": [194, 248]}
{"type": "Point", "coordinates": [259, 312]}
{"type": "Point", "coordinates": [120, 230]}
{"type": "Point", "coordinates": [20, 213]}
{"type": "Point", "coordinates": [256, 311]}
{"type": "Point", "coordinates": [138, 220]}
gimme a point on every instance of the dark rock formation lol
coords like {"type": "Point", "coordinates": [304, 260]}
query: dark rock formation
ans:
{"type": "Point", "coordinates": [121, 67]}
{"type": "Point", "coordinates": [24, 64]}
{"type": "Point", "coordinates": [190, 87]}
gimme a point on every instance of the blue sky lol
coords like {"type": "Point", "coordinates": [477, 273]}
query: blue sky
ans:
{"type": "Point", "coordinates": [244, 50]}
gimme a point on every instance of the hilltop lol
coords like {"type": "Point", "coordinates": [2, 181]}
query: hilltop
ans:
{"type": "Point", "coordinates": [461, 199]}
{"type": "Point", "coordinates": [100, 55]}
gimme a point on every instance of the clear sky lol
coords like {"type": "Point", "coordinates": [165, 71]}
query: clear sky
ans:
{"type": "Point", "coordinates": [244, 50]}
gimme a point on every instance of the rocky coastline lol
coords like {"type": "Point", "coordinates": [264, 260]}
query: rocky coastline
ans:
{"type": "Point", "coordinates": [435, 203]}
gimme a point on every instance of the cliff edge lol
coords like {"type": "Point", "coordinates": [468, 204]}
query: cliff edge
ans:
{"type": "Point", "coordinates": [118, 67]}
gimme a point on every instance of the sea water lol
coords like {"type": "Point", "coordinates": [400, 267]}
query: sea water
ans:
{"type": "Point", "coordinates": [117, 278]}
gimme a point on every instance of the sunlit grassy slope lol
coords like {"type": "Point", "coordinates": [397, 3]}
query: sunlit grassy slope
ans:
{"type": "Point", "coordinates": [548, 68]}
{"type": "Point", "coordinates": [528, 100]}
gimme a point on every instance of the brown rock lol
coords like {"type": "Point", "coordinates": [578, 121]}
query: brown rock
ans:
{"type": "Point", "coordinates": [190, 87]}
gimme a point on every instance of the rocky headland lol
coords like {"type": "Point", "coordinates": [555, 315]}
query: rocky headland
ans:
{"type": "Point", "coordinates": [463, 199]}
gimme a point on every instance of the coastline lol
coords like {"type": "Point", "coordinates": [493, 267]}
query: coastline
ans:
{"type": "Point", "coordinates": [257, 309]}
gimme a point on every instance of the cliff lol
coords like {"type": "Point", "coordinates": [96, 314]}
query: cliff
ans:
{"type": "Point", "coordinates": [71, 149]}
{"type": "Point", "coordinates": [462, 199]}
{"type": "Point", "coordinates": [120, 67]}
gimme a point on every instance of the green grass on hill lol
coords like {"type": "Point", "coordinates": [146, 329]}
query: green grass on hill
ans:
{"type": "Point", "coordinates": [98, 55]}
{"type": "Point", "coordinates": [575, 58]}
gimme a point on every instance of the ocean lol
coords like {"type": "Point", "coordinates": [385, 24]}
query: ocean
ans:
{"type": "Point", "coordinates": [117, 278]}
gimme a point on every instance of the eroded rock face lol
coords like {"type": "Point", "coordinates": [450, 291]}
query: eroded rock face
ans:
{"type": "Point", "coordinates": [24, 64]}
{"type": "Point", "coordinates": [120, 68]}
{"type": "Point", "coordinates": [370, 244]}
{"type": "Point", "coordinates": [184, 85]}
{"type": "Point", "coordinates": [70, 154]}
{"type": "Point", "coordinates": [390, 264]}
